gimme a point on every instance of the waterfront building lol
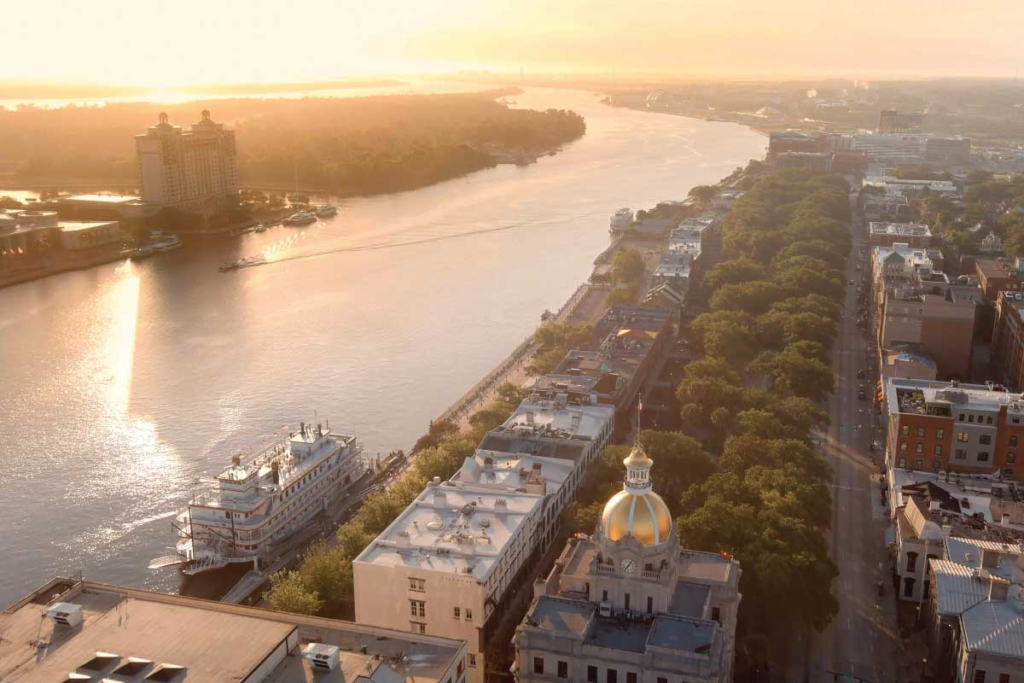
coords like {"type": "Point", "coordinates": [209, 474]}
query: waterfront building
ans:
{"type": "Point", "coordinates": [193, 171]}
{"type": "Point", "coordinates": [914, 235]}
{"type": "Point", "coordinates": [955, 428]}
{"type": "Point", "coordinates": [724, 200]}
{"type": "Point", "coordinates": [819, 162]}
{"type": "Point", "coordinates": [449, 564]}
{"type": "Point", "coordinates": [893, 121]}
{"type": "Point", "coordinates": [102, 205]}
{"type": "Point", "coordinates": [74, 630]}
{"type": "Point", "coordinates": [83, 235]}
{"type": "Point", "coordinates": [628, 604]}
{"type": "Point", "coordinates": [789, 141]}
{"type": "Point", "coordinates": [674, 266]}
{"type": "Point", "coordinates": [634, 340]}
{"type": "Point", "coordinates": [24, 230]}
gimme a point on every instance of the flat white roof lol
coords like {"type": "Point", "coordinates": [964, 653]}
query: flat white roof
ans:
{"type": "Point", "coordinates": [909, 229]}
{"type": "Point", "coordinates": [76, 226]}
{"type": "Point", "coordinates": [104, 198]}
{"type": "Point", "coordinates": [512, 472]}
{"type": "Point", "coordinates": [967, 396]}
{"type": "Point", "coordinates": [546, 418]}
{"type": "Point", "coordinates": [450, 530]}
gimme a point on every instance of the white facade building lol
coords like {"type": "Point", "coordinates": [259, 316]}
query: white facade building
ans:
{"type": "Point", "coordinates": [191, 171]}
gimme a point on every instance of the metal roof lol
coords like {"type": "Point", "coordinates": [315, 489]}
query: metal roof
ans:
{"type": "Point", "coordinates": [956, 589]}
{"type": "Point", "coordinates": [995, 627]}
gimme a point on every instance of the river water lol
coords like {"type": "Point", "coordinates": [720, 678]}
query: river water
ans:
{"type": "Point", "coordinates": [122, 384]}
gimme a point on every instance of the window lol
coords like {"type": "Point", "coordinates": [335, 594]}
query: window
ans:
{"type": "Point", "coordinates": [612, 676]}
{"type": "Point", "coordinates": [985, 439]}
{"type": "Point", "coordinates": [418, 585]}
{"type": "Point", "coordinates": [906, 430]}
{"type": "Point", "coordinates": [903, 447]}
{"type": "Point", "coordinates": [911, 562]}
{"type": "Point", "coordinates": [939, 433]}
{"type": "Point", "coordinates": [472, 661]}
{"type": "Point", "coordinates": [961, 417]}
{"type": "Point", "coordinates": [988, 419]}
{"type": "Point", "coordinates": [903, 462]}
{"type": "Point", "coordinates": [1013, 441]}
{"type": "Point", "coordinates": [917, 464]}
{"type": "Point", "coordinates": [908, 587]}
{"type": "Point", "coordinates": [538, 665]}
{"type": "Point", "coordinates": [563, 669]}
{"type": "Point", "coordinates": [457, 613]}
{"type": "Point", "coordinates": [418, 627]}
{"type": "Point", "coordinates": [919, 448]}
{"type": "Point", "coordinates": [1004, 678]}
{"type": "Point", "coordinates": [1011, 457]}
{"type": "Point", "coordinates": [630, 677]}
{"type": "Point", "coordinates": [970, 418]}
{"type": "Point", "coordinates": [662, 679]}
{"type": "Point", "coordinates": [979, 676]}
{"type": "Point", "coordinates": [920, 432]}
{"type": "Point", "coordinates": [963, 437]}
{"type": "Point", "coordinates": [983, 456]}
{"type": "Point", "coordinates": [650, 605]}
{"type": "Point", "coordinates": [418, 608]}
{"type": "Point", "coordinates": [938, 451]}
{"type": "Point", "coordinates": [591, 674]}
{"type": "Point", "coordinates": [469, 614]}
{"type": "Point", "coordinates": [716, 614]}
{"type": "Point", "coordinates": [604, 596]}
{"type": "Point", "coordinates": [627, 601]}
{"type": "Point", "coordinates": [960, 454]}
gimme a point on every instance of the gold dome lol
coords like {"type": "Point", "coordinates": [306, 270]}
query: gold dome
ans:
{"type": "Point", "coordinates": [641, 515]}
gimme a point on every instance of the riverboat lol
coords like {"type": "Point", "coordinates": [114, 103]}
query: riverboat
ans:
{"type": "Point", "coordinates": [327, 211]}
{"type": "Point", "coordinates": [247, 262]}
{"type": "Point", "coordinates": [621, 220]}
{"type": "Point", "coordinates": [264, 499]}
{"type": "Point", "coordinates": [300, 218]}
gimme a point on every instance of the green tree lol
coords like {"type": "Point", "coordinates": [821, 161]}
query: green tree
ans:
{"type": "Point", "coordinates": [627, 266]}
{"type": "Point", "coordinates": [288, 594]}
{"type": "Point", "coordinates": [703, 194]}
{"type": "Point", "coordinates": [733, 272]}
{"type": "Point", "coordinates": [752, 297]}
{"type": "Point", "coordinates": [791, 371]}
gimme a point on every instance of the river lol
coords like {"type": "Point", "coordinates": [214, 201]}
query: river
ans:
{"type": "Point", "coordinates": [123, 384]}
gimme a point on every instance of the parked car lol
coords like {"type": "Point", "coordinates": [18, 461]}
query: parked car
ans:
{"type": "Point", "coordinates": [860, 374]}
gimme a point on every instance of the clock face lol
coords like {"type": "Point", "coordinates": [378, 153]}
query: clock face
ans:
{"type": "Point", "coordinates": [628, 566]}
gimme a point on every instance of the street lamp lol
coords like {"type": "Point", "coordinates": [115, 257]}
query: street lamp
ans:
{"type": "Point", "coordinates": [924, 665]}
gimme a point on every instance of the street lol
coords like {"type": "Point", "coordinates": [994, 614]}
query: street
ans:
{"type": "Point", "coordinates": [863, 639]}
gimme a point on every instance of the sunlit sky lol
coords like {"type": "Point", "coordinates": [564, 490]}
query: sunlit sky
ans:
{"type": "Point", "coordinates": [173, 44]}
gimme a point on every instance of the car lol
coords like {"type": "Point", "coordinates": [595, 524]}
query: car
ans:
{"type": "Point", "coordinates": [851, 282]}
{"type": "Point", "coordinates": [860, 374]}
{"type": "Point", "coordinates": [861, 395]}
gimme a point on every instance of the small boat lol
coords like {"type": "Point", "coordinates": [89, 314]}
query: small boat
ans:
{"type": "Point", "coordinates": [247, 262]}
{"type": "Point", "coordinates": [327, 211]}
{"type": "Point", "coordinates": [261, 228]}
{"type": "Point", "coordinates": [142, 252]}
{"type": "Point", "coordinates": [300, 218]}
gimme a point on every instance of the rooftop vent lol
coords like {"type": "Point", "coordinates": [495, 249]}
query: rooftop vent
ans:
{"type": "Point", "coordinates": [321, 657]}
{"type": "Point", "coordinates": [133, 667]}
{"type": "Point", "coordinates": [65, 614]}
{"type": "Point", "coordinates": [100, 662]}
{"type": "Point", "coordinates": [72, 677]}
{"type": "Point", "coordinates": [166, 673]}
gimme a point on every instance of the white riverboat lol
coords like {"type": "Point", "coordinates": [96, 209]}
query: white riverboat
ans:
{"type": "Point", "coordinates": [621, 220]}
{"type": "Point", "coordinates": [264, 499]}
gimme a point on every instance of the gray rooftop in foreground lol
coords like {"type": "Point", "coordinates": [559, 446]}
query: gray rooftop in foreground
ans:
{"type": "Point", "coordinates": [619, 634]}
{"type": "Point", "coordinates": [689, 598]}
{"type": "Point", "coordinates": [688, 635]}
{"type": "Point", "coordinates": [563, 616]}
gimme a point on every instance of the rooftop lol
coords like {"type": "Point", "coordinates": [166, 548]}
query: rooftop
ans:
{"type": "Point", "coordinates": [929, 397]}
{"type": "Point", "coordinates": [453, 530]}
{"type": "Point", "coordinates": [104, 198]}
{"type": "Point", "coordinates": [149, 633]}
{"type": "Point", "coordinates": [900, 229]}
{"type": "Point", "coordinates": [553, 429]}
{"type": "Point", "coordinates": [517, 472]}
{"type": "Point", "coordinates": [995, 627]}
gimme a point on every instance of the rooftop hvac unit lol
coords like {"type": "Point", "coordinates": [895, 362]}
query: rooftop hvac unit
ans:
{"type": "Point", "coordinates": [65, 614]}
{"type": "Point", "coordinates": [321, 657]}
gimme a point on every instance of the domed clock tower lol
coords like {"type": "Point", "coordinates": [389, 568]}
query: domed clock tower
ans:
{"type": "Point", "coordinates": [636, 567]}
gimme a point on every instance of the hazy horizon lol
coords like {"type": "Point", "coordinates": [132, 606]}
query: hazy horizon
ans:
{"type": "Point", "coordinates": [173, 46]}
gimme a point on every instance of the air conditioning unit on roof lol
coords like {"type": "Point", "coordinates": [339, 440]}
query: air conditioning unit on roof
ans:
{"type": "Point", "coordinates": [65, 614]}
{"type": "Point", "coordinates": [321, 657]}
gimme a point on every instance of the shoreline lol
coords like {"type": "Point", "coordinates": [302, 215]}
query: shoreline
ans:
{"type": "Point", "coordinates": [696, 117]}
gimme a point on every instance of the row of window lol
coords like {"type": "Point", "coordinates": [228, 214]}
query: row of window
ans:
{"type": "Point", "coordinates": [611, 675]}
{"type": "Point", "coordinates": [979, 677]}
{"type": "Point", "coordinates": [958, 454]}
{"type": "Point", "coordinates": [418, 608]}
{"type": "Point", "coordinates": [962, 437]}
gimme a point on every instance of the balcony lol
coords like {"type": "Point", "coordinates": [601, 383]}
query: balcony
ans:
{"type": "Point", "coordinates": [604, 568]}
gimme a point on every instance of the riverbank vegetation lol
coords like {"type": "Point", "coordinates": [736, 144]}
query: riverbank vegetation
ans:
{"type": "Point", "coordinates": [344, 146]}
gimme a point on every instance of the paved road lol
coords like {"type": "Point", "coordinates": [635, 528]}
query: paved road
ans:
{"type": "Point", "coordinates": [863, 639]}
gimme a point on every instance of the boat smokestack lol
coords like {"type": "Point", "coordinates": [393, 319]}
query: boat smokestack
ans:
{"type": "Point", "coordinates": [275, 471]}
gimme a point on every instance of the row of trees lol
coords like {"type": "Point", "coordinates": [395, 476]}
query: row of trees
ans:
{"type": "Point", "coordinates": [754, 395]}
{"type": "Point", "coordinates": [627, 276]}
